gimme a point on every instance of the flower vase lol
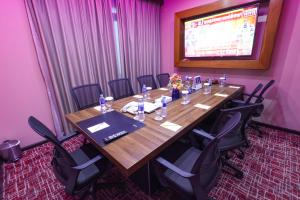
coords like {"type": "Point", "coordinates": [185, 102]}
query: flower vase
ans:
{"type": "Point", "coordinates": [175, 94]}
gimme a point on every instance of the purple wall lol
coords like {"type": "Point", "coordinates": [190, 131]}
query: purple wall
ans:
{"type": "Point", "coordinates": [282, 104]}
{"type": "Point", "coordinates": [22, 89]}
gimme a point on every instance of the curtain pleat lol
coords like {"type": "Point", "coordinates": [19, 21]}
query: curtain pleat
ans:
{"type": "Point", "coordinates": [75, 45]}
{"type": "Point", "coordinates": [139, 30]}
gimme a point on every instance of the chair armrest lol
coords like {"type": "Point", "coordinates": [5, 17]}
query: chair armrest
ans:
{"type": "Point", "coordinates": [174, 168]}
{"type": "Point", "coordinates": [67, 137]}
{"type": "Point", "coordinates": [242, 108]}
{"type": "Point", "coordinates": [237, 101]}
{"type": "Point", "coordinates": [88, 163]}
{"type": "Point", "coordinates": [245, 94]}
{"type": "Point", "coordinates": [202, 133]}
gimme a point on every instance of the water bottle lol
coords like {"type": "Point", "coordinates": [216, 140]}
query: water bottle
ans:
{"type": "Point", "coordinates": [210, 84]}
{"type": "Point", "coordinates": [144, 91]}
{"type": "Point", "coordinates": [186, 80]}
{"type": "Point", "coordinates": [102, 104]}
{"type": "Point", "coordinates": [164, 107]}
{"type": "Point", "coordinates": [141, 114]}
{"type": "Point", "coordinates": [189, 86]}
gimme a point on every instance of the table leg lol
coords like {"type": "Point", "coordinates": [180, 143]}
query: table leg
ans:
{"type": "Point", "coordinates": [145, 178]}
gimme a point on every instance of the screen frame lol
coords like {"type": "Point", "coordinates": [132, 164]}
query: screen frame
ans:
{"type": "Point", "coordinates": [220, 12]}
{"type": "Point", "coordinates": [262, 61]}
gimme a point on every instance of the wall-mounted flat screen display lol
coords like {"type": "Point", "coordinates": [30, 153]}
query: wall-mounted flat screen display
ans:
{"type": "Point", "coordinates": [224, 34]}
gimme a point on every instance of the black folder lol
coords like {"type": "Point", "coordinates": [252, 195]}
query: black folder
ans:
{"type": "Point", "coordinates": [117, 122]}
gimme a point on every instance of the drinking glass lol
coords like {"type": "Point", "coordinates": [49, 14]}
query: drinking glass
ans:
{"type": "Point", "coordinates": [207, 88]}
{"type": "Point", "coordinates": [158, 116]}
{"type": "Point", "coordinates": [222, 82]}
{"type": "Point", "coordinates": [109, 102]}
{"type": "Point", "coordinates": [185, 97]}
{"type": "Point", "coordinates": [148, 92]}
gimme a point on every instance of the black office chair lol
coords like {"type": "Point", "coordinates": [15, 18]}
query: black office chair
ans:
{"type": "Point", "coordinates": [258, 99]}
{"type": "Point", "coordinates": [86, 96]}
{"type": "Point", "coordinates": [147, 80]}
{"type": "Point", "coordinates": [121, 88]}
{"type": "Point", "coordinates": [246, 98]}
{"type": "Point", "coordinates": [163, 79]}
{"type": "Point", "coordinates": [194, 172]}
{"type": "Point", "coordinates": [79, 170]}
{"type": "Point", "coordinates": [234, 140]}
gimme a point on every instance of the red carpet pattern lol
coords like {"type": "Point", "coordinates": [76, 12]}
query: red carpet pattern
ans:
{"type": "Point", "coordinates": [271, 171]}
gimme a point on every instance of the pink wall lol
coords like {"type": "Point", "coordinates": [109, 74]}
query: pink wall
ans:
{"type": "Point", "coordinates": [22, 88]}
{"type": "Point", "coordinates": [282, 105]}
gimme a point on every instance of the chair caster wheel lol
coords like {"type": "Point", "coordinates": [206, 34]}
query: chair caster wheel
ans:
{"type": "Point", "coordinates": [239, 175]}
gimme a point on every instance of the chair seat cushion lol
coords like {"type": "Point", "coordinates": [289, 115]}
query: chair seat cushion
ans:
{"type": "Point", "coordinates": [82, 155]}
{"type": "Point", "coordinates": [185, 162]}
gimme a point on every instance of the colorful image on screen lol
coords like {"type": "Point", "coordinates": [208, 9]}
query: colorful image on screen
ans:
{"type": "Point", "coordinates": [229, 33]}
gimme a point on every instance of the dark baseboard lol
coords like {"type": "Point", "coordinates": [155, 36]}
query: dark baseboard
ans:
{"type": "Point", "coordinates": [277, 128]}
{"type": "Point", "coordinates": [34, 145]}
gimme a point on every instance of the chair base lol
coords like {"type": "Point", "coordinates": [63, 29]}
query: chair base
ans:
{"type": "Point", "coordinates": [234, 170]}
{"type": "Point", "coordinates": [240, 154]}
{"type": "Point", "coordinates": [259, 132]}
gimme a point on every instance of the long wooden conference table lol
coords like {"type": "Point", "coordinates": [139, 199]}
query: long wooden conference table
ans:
{"type": "Point", "coordinates": [135, 150]}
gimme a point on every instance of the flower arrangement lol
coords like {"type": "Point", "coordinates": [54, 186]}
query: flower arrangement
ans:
{"type": "Point", "coordinates": [175, 82]}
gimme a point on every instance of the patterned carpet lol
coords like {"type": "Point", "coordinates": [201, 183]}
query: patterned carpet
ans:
{"type": "Point", "coordinates": [271, 171]}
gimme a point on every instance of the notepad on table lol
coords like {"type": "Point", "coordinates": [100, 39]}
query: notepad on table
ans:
{"type": "Point", "coordinates": [164, 89]}
{"type": "Point", "coordinates": [98, 127]}
{"type": "Point", "coordinates": [221, 95]}
{"type": "Point", "coordinates": [202, 106]}
{"type": "Point", "coordinates": [138, 96]}
{"type": "Point", "coordinates": [233, 86]}
{"type": "Point", "coordinates": [171, 126]}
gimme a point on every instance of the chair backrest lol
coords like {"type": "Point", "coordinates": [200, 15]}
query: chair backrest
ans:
{"type": "Point", "coordinates": [260, 98]}
{"type": "Point", "coordinates": [163, 79]}
{"type": "Point", "coordinates": [258, 87]}
{"type": "Point", "coordinates": [208, 165]}
{"type": "Point", "coordinates": [42, 130]}
{"type": "Point", "coordinates": [121, 88]}
{"type": "Point", "coordinates": [147, 80]}
{"type": "Point", "coordinates": [62, 162]}
{"type": "Point", "coordinates": [247, 112]}
{"type": "Point", "coordinates": [86, 96]}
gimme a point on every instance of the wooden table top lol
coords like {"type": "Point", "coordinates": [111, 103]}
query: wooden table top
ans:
{"type": "Point", "coordinates": [134, 150]}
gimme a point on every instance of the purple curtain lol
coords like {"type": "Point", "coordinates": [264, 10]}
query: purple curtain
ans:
{"type": "Point", "coordinates": [139, 35]}
{"type": "Point", "coordinates": [75, 45]}
{"type": "Point", "coordinates": [80, 42]}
